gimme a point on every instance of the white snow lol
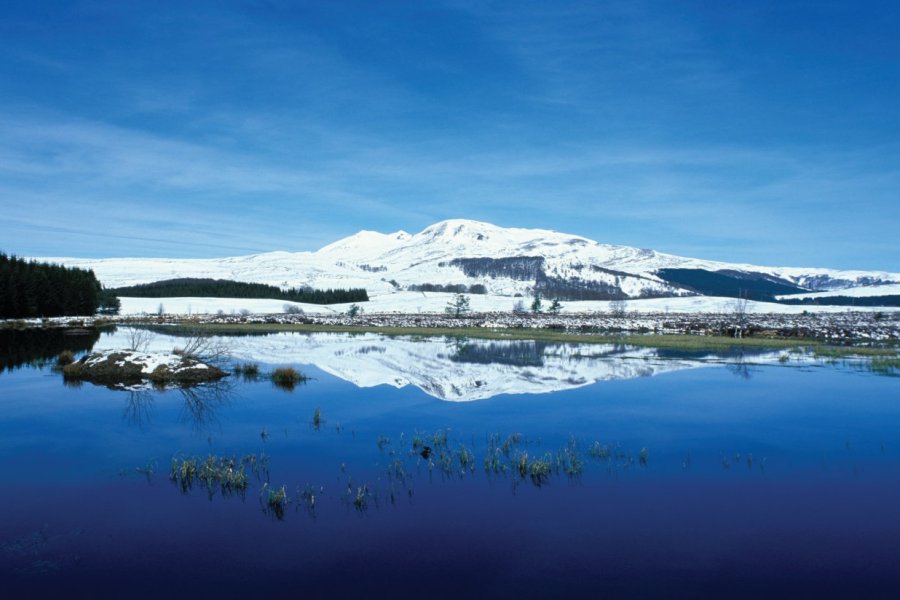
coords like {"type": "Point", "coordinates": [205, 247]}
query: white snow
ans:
{"type": "Point", "coordinates": [383, 262]}
{"type": "Point", "coordinates": [148, 361]}
{"type": "Point", "coordinates": [434, 302]}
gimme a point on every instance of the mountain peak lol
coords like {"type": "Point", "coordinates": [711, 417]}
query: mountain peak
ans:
{"type": "Point", "coordinates": [462, 253]}
{"type": "Point", "coordinates": [366, 240]}
{"type": "Point", "coordinates": [455, 228]}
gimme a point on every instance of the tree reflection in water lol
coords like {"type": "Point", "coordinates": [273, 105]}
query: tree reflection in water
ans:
{"type": "Point", "coordinates": [200, 404]}
{"type": "Point", "coordinates": [139, 408]}
{"type": "Point", "coordinates": [203, 402]}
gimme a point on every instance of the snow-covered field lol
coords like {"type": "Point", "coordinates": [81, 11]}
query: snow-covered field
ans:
{"type": "Point", "coordinates": [433, 302]}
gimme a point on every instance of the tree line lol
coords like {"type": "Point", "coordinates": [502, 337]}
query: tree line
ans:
{"type": "Point", "coordinates": [886, 300]}
{"type": "Point", "coordinates": [31, 289]}
{"type": "Point", "coordinates": [225, 288]}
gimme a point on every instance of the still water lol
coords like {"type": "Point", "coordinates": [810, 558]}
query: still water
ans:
{"type": "Point", "coordinates": [737, 475]}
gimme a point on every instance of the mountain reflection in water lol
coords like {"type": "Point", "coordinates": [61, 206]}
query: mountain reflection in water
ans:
{"type": "Point", "coordinates": [463, 369]}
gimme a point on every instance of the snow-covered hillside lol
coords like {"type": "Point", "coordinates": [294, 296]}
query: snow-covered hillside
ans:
{"type": "Point", "coordinates": [506, 262]}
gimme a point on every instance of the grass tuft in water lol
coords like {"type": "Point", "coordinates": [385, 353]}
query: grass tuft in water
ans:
{"type": "Point", "coordinates": [569, 460]}
{"type": "Point", "coordinates": [249, 371]}
{"type": "Point", "coordinates": [600, 451]}
{"type": "Point", "coordinates": [147, 470]}
{"type": "Point", "coordinates": [643, 457]}
{"type": "Point", "coordinates": [466, 459]}
{"type": "Point", "coordinates": [184, 471]}
{"type": "Point", "coordinates": [444, 462]}
{"type": "Point", "coordinates": [493, 461]}
{"type": "Point", "coordinates": [308, 498]}
{"type": "Point", "coordinates": [225, 474]}
{"type": "Point", "coordinates": [539, 470]}
{"type": "Point", "coordinates": [511, 442]}
{"type": "Point", "coordinates": [276, 500]}
{"type": "Point", "coordinates": [317, 419]}
{"type": "Point", "coordinates": [287, 378]}
{"type": "Point", "coordinates": [439, 439]}
{"type": "Point", "coordinates": [522, 464]}
{"type": "Point", "coordinates": [360, 499]}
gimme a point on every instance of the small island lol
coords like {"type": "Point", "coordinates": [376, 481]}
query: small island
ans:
{"type": "Point", "coordinates": [112, 367]}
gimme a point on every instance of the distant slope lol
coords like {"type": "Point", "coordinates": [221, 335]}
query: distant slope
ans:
{"type": "Point", "coordinates": [729, 283]}
{"type": "Point", "coordinates": [869, 295]}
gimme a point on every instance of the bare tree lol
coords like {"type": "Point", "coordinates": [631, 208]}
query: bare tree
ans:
{"type": "Point", "coordinates": [618, 308]}
{"type": "Point", "coordinates": [739, 309]}
{"type": "Point", "coordinates": [202, 346]}
{"type": "Point", "coordinates": [138, 340]}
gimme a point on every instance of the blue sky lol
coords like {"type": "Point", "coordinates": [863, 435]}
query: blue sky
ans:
{"type": "Point", "coordinates": [763, 132]}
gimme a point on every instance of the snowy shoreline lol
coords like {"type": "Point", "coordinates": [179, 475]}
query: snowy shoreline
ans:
{"type": "Point", "coordinates": [416, 303]}
{"type": "Point", "coordinates": [694, 315]}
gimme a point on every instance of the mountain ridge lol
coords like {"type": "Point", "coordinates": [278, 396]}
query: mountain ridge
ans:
{"type": "Point", "coordinates": [504, 261]}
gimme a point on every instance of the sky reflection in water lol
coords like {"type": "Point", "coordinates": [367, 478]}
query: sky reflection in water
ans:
{"type": "Point", "coordinates": [759, 479]}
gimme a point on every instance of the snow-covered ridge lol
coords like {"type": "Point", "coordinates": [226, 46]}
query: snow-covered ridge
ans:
{"type": "Point", "coordinates": [464, 252]}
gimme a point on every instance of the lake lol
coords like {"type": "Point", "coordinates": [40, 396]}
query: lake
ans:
{"type": "Point", "coordinates": [444, 467]}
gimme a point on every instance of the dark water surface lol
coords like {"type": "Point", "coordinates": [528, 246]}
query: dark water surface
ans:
{"type": "Point", "coordinates": [764, 480]}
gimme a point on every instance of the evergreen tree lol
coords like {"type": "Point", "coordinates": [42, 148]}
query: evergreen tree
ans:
{"type": "Point", "coordinates": [109, 303]}
{"type": "Point", "coordinates": [31, 289]}
{"type": "Point", "coordinates": [223, 288]}
{"type": "Point", "coordinates": [459, 306]}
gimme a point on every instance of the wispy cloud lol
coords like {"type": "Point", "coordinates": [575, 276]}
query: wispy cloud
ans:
{"type": "Point", "coordinates": [137, 181]}
{"type": "Point", "coordinates": [284, 127]}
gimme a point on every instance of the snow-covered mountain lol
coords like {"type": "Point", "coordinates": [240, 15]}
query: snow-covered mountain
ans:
{"type": "Point", "coordinates": [488, 259]}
